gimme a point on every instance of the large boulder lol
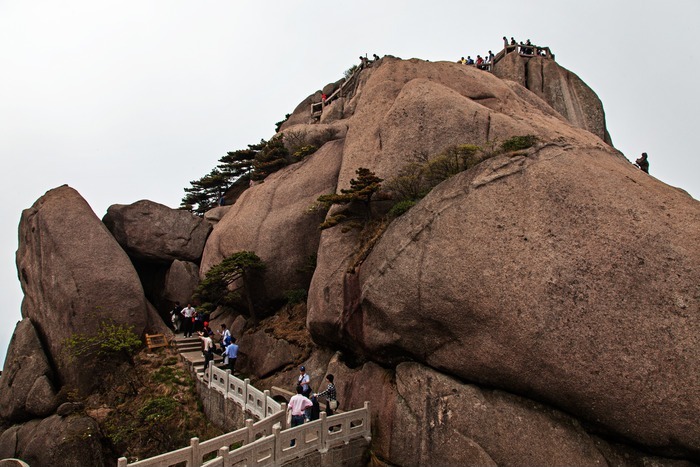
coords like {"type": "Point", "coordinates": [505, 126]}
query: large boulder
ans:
{"type": "Point", "coordinates": [155, 232]}
{"type": "Point", "coordinates": [566, 275]}
{"type": "Point", "coordinates": [276, 220]}
{"type": "Point", "coordinates": [559, 87]}
{"type": "Point", "coordinates": [75, 276]}
{"type": "Point", "coordinates": [181, 279]}
{"type": "Point", "coordinates": [73, 441]}
{"type": "Point", "coordinates": [26, 387]}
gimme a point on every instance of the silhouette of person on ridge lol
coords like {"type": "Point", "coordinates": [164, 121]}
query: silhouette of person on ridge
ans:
{"type": "Point", "coordinates": [643, 163]}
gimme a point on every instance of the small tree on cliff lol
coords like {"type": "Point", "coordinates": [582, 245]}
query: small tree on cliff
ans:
{"type": "Point", "coordinates": [237, 270]}
{"type": "Point", "coordinates": [361, 191]}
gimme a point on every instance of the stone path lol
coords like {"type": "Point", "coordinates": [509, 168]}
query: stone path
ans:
{"type": "Point", "coordinates": [190, 350]}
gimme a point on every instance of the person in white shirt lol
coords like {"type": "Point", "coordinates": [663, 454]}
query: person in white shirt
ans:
{"type": "Point", "coordinates": [225, 339]}
{"type": "Point", "coordinates": [207, 349]}
{"type": "Point", "coordinates": [188, 326]}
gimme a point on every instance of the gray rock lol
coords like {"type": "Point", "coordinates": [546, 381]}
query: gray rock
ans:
{"type": "Point", "coordinates": [26, 388]}
{"type": "Point", "coordinates": [68, 408]}
{"type": "Point", "coordinates": [155, 232]}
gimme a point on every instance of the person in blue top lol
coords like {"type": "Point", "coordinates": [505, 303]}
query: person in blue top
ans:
{"type": "Point", "coordinates": [303, 380]}
{"type": "Point", "coordinates": [231, 353]}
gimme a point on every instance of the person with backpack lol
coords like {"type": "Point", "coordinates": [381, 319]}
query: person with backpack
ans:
{"type": "Point", "coordinates": [225, 338]}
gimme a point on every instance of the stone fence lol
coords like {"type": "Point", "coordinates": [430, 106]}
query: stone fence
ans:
{"type": "Point", "coordinates": [268, 442]}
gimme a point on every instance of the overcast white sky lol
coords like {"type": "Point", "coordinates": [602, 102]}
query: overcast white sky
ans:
{"type": "Point", "coordinates": [128, 100]}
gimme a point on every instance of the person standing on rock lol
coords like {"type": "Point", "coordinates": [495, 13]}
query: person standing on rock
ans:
{"type": "Point", "coordinates": [187, 320]}
{"type": "Point", "coordinates": [643, 163]}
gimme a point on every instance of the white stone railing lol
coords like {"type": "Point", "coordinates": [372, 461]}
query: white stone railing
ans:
{"type": "Point", "coordinates": [284, 445]}
{"type": "Point", "coordinates": [266, 442]}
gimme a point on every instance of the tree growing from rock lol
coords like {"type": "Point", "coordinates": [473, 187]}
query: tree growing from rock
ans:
{"type": "Point", "coordinates": [360, 192]}
{"type": "Point", "coordinates": [231, 278]}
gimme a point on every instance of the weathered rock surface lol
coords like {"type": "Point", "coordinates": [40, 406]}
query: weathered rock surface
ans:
{"type": "Point", "coordinates": [73, 441]}
{"type": "Point", "coordinates": [567, 275]}
{"type": "Point", "coordinates": [181, 279]}
{"type": "Point", "coordinates": [26, 387]}
{"type": "Point", "coordinates": [153, 231]}
{"type": "Point", "coordinates": [423, 417]}
{"type": "Point", "coordinates": [75, 275]}
{"type": "Point", "coordinates": [273, 220]}
{"type": "Point", "coordinates": [560, 88]}
{"type": "Point", "coordinates": [214, 215]}
{"type": "Point", "coordinates": [261, 354]}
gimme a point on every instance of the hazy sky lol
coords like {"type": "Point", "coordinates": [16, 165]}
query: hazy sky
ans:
{"type": "Point", "coordinates": [131, 100]}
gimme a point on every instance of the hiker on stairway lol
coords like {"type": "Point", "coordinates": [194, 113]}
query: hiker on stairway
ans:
{"type": "Point", "coordinates": [207, 349]}
{"type": "Point", "coordinates": [188, 320]}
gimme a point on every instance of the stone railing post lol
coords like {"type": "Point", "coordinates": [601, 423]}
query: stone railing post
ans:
{"type": "Point", "coordinates": [122, 462]}
{"type": "Point", "coordinates": [267, 397]}
{"type": "Point", "coordinates": [277, 451]}
{"type": "Point", "coordinates": [324, 433]}
{"type": "Point", "coordinates": [223, 453]}
{"type": "Point", "coordinates": [228, 376]}
{"type": "Point", "coordinates": [196, 459]}
{"type": "Point", "coordinates": [283, 409]}
{"type": "Point", "coordinates": [245, 393]}
{"type": "Point", "coordinates": [368, 427]}
{"type": "Point", "coordinates": [250, 436]}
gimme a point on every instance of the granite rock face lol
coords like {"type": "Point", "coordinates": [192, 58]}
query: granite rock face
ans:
{"type": "Point", "coordinates": [152, 231]}
{"type": "Point", "coordinates": [26, 387]}
{"type": "Point", "coordinates": [275, 220]}
{"type": "Point", "coordinates": [560, 88]}
{"type": "Point", "coordinates": [73, 441]}
{"type": "Point", "coordinates": [74, 276]}
{"type": "Point", "coordinates": [566, 275]}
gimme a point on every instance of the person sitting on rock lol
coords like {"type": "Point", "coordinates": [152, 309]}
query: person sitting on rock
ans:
{"type": "Point", "coordinates": [470, 60]}
{"type": "Point", "coordinates": [643, 163]}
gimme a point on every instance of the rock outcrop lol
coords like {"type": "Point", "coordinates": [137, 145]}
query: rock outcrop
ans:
{"type": "Point", "coordinates": [560, 88]}
{"type": "Point", "coordinates": [154, 232]}
{"type": "Point", "coordinates": [73, 441]}
{"type": "Point", "coordinates": [276, 220]}
{"type": "Point", "coordinates": [74, 276]}
{"type": "Point", "coordinates": [26, 387]}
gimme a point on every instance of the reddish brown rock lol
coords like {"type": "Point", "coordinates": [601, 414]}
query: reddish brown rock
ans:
{"type": "Point", "coordinates": [560, 88]}
{"type": "Point", "coordinates": [155, 232]}
{"type": "Point", "coordinates": [180, 281]}
{"type": "Point", "coordinates": [26, 386]}
{"type": "Point", "coordinates": [261, 354]}
{"type": "Point", "coordinates": [276, 220]}
{"type": "Point", "coordinates": [73, 441]}
{"type": "Point", "coordinates": [566, 275]}
{"type": "Point", "coordinates": [75, 275]}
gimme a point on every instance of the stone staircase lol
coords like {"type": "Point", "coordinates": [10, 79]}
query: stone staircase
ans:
{"type": "Point", "coordinates": [190, 350]}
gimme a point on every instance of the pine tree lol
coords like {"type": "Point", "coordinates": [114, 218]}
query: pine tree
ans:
{"type": "Point", "coordinates": [361, 190]}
